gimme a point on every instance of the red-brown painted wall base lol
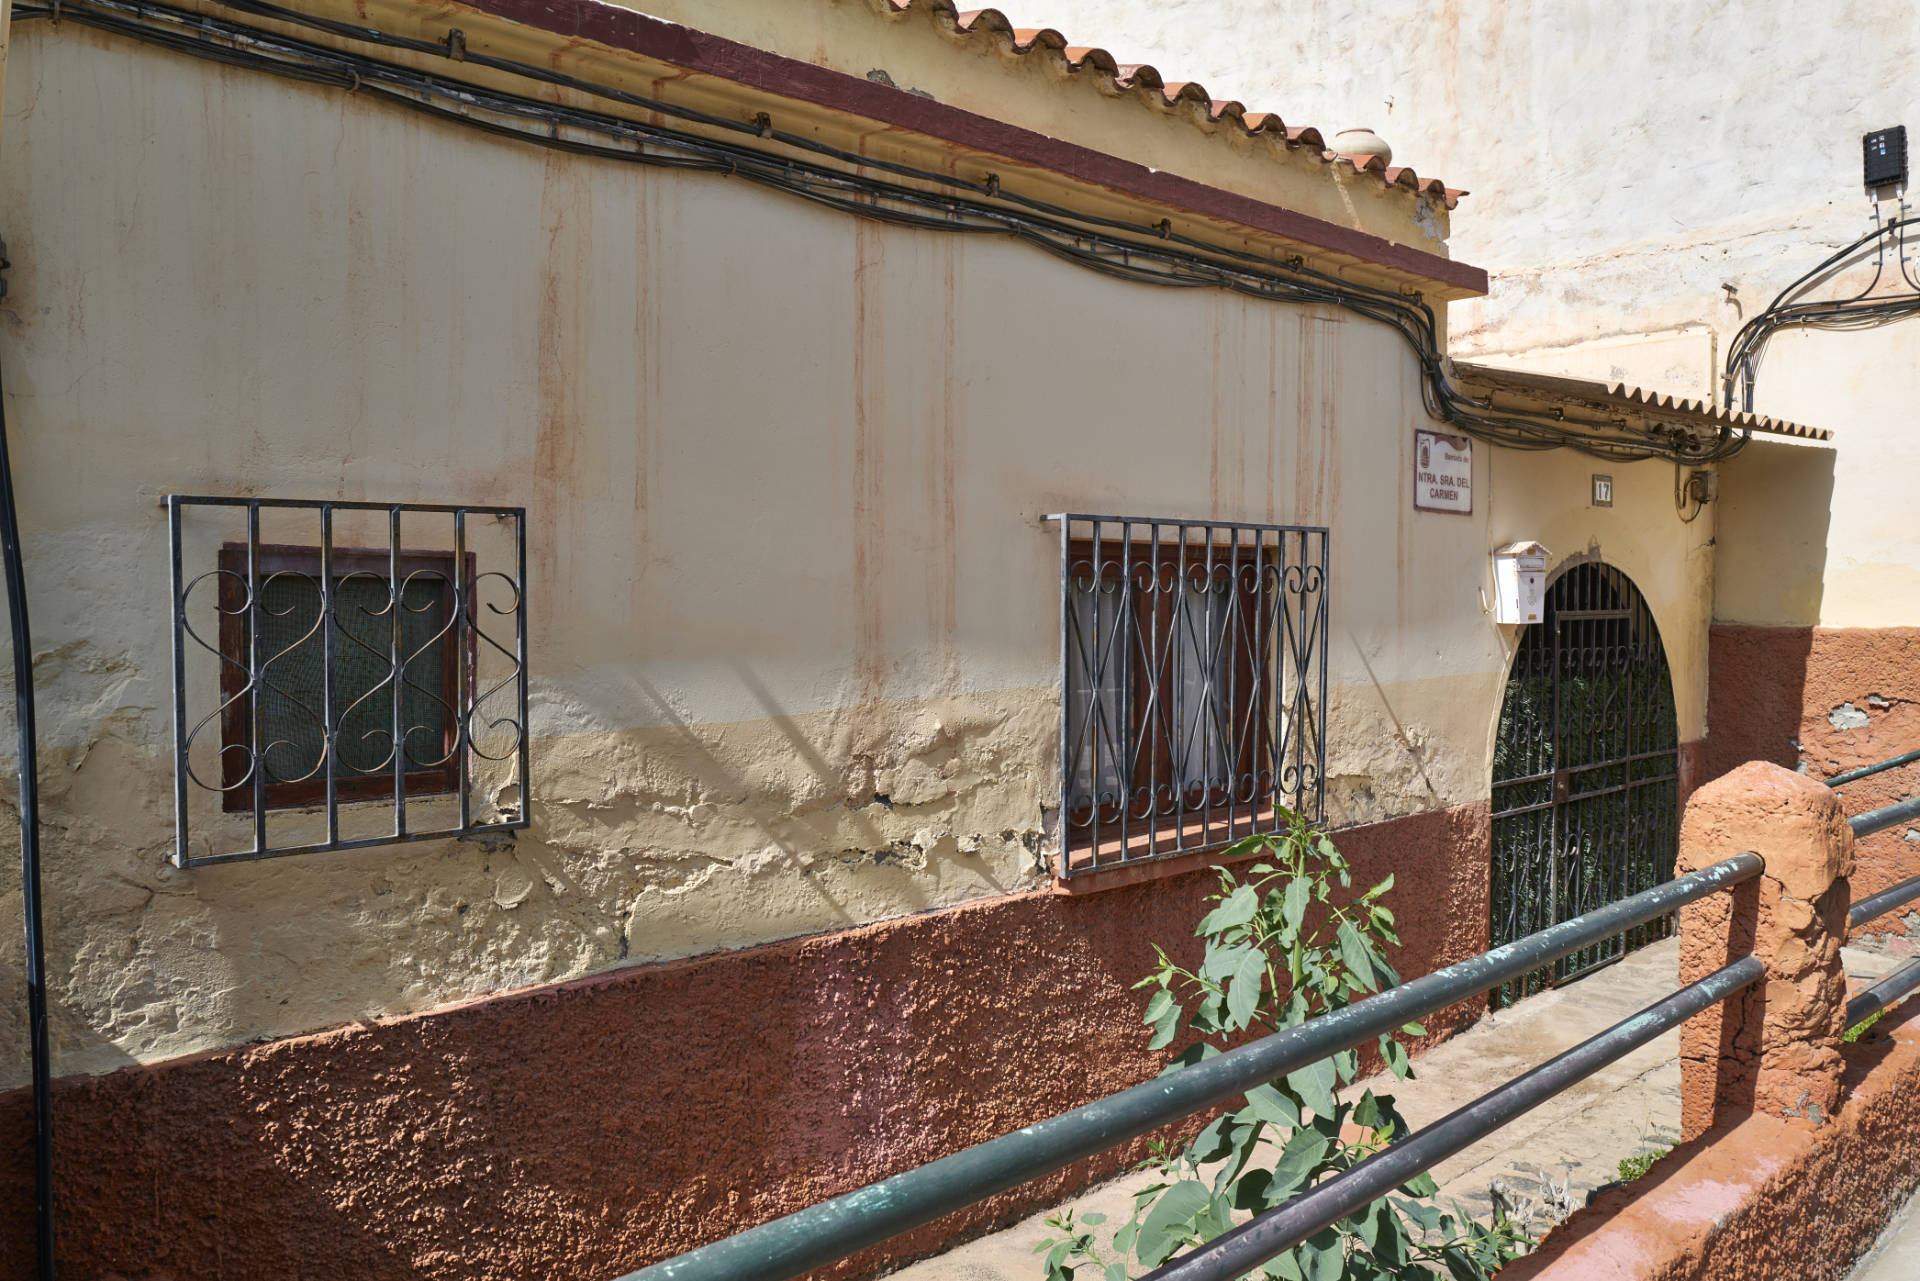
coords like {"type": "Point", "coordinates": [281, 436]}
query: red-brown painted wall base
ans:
{"type": "Point", "coordinates": [1824, 700]}
{"type": "Point", "coordinates": [582, 1130]}
{"type": "Point", "coordinates": [1765, 1199]}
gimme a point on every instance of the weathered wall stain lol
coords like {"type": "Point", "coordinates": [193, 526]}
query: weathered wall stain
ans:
{"type": "Point", "coordinates": [594, 1126]}
{"type": "Point", "coordinates": [1773, 691]}
{"type": "Point", "coordinates": [794, 644]}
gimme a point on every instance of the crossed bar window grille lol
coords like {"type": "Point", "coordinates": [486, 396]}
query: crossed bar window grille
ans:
{"type": "Point", "coordinates": [1193, 684]}
{"type": "Point", "coordinates": [332, 653]}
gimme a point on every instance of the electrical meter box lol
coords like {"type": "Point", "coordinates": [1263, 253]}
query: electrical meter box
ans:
{"type": "Point", "coordinates": [1519, 582]}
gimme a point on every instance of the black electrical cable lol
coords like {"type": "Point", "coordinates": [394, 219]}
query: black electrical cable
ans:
{"type": "Point", "coordinates": [1160, 256]}
{"type": "Point", "coordinates": [1863, 310]}
{"type": "Point", "coordinates": [29, 860]}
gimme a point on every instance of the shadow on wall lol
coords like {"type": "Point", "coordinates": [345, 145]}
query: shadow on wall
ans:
{"type": "Point", "coordinates": [1770, 535]}
{"type": "Point", "coordinates": [1820, 700]}
{"type": "Point", "coordinates": [586, 1128]}
{"type": "Point", "coordinates": [1756, 694]}
{"type": "Point", "coordinates": [1770, 542]}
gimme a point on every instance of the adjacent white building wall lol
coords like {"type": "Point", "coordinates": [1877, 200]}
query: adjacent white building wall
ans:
{"type": "Point", "coordinates": [1644, 176]}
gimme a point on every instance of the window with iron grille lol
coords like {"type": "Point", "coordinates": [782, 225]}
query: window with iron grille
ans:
{"type": "Point", "coordinates": [1193, 681]}
{"type": "Point", "coordinates": [294, 738]}
{"type": "Point", "coordinates": [339, 672]}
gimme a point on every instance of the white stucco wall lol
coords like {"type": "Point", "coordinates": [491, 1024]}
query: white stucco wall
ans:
{"type": "Point", "coordinates": [784, 472]}
{"type": "Point", "coordinates": [1625, 162]}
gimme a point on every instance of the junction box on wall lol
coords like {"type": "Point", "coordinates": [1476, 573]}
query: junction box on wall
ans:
{"type": "Point", "coordinates": [1884, 152]}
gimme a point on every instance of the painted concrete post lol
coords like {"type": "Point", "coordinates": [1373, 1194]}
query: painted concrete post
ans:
{"type": "Point", "coordinates": [1775, 1048]}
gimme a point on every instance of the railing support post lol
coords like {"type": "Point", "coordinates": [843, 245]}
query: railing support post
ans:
{"type": "Point", "coordinates": [1774, 1048]}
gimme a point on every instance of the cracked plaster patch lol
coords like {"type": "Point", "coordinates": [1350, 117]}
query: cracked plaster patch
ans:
{"type": "Point", "coordinates": [1847, 716]}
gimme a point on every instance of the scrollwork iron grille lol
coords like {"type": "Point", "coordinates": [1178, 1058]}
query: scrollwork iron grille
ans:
{"type": "Point", "coordinates": [1193, 684]}
{"type": "Point", "coordinates": [330, 675]}
{"type": "Point", "coordinates": [1586, 769]}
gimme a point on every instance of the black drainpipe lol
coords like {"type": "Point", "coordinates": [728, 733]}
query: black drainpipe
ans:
{"type": "Point", "coordinates": [29, 855]}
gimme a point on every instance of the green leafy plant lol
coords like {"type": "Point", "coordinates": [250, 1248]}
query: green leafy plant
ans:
{"type": "Point", "coordinates": [1280, 947]}
{"type": "Point", "coordinates": [1640, 1162]}
{"type": "Point", "coordinates": [1859, 1029]}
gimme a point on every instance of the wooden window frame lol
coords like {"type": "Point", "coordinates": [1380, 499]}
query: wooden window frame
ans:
{"type": "Point", "coordinates": [1156, 615]}
{"type": "Point", "coordinates": [236, 720]}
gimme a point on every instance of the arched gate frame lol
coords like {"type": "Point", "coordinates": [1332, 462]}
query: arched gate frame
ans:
{"type": "Point", "coordinates": [1585, 770]}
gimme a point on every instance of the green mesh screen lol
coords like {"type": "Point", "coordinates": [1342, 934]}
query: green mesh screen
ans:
{"type": "Point", "coordinates": [291, 702]}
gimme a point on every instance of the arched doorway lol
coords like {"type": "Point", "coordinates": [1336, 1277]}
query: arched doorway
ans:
{"type": "Point", "coordinates": [1585, 770]}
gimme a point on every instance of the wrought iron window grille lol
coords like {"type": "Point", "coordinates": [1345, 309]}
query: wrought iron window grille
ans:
{"type": "Point", "coordinates": [1193, 684]}
{"type": "Point", "coordinates": [316, 670]}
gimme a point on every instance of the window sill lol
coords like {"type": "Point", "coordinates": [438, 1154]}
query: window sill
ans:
{"type": "Point", "coordinates": [1120, 874]}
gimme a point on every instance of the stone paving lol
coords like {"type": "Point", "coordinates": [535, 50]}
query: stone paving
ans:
{"type": "Point", "coordinates": [1896, 1256]}
{"type": "Point", "coordinates": [1545, 1163]}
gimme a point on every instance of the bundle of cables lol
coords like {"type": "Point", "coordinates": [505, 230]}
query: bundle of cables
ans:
{"type": "Point", "coordinates": [864, 186]}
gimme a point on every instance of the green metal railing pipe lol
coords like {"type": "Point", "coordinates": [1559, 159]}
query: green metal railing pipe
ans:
{"type": "Point", "coordinates": [1238, 1252]}
{"type": "Point", "coordinates": [1886, 816]}
{"type": "Point", "coordinates": [821, 1234]}
{"type": "Point", "coordinates": [1884, 993]}
{"type": "Point", "coordinates": [1868, 771]}
{"type": "Point", "coordinates": [1885, 901]}
{"type": "Point", "coordinates": [1879, 821]}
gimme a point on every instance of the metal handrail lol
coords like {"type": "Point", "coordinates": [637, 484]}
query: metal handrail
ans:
{"type": "Point", "coordinates": [1884, 993]}
{"type": "Point", "coordinates": [1885, 901]}
{"type": "Point", "coordinates": [1280, 1229]}
{"type": "Point", "coordinates": [1886, 816]}
{"type": "Point", "coordinates": [1905, 979]}
{"type": "Point", "coordinates": [1868, 771]}
{"type": "Point", "coordinates": [1893, 896]}
{"type": "Point", "coordinates": [1880, 820]}
{"type": "Point", "coordinates": [825, 1233]}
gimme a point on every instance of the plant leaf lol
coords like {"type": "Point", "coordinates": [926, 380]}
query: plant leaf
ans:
{"type": "Point", "coordinates": [1298, 1160]}
{"type": "Point", "coordinates": [1356, 956]}
{"type": "Point", "coordinates": [1165, 1028]}
{"type": "Point", "coordinates": [1314, 1084]}
{"type": "Point", "coordinates": [1346, 1065]}
{"type": "Point", "coordinates": [1239, 908]}
{"type": "Point", "coordinates": [1162, 1233]}
{"type": "Point", "coordinates": [1243, 993]}
{"type": "Point", "coordinates": [1285, 1268]}
{"type": "Point", "coordinates": [1198, 1052]}
{"type": "Point", "coordinates": [1271, 1105]}
{"type": "Point", "coordinates": [1246, 845]}
{"type": "Point", "coordinates": [1212, 1142]}
{"type": "Point", "coordinates": [1293, 908]}
{"type": "Point", "coordinates": [1222, 960]}
{"type": "Point", "coordinates": [1325, 1255]}
{"type": "Point", "coordinates": [1424, 1213]}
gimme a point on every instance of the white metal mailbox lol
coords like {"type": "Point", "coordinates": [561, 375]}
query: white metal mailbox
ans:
{"type": "Point", "coordinates": [1519, 582]}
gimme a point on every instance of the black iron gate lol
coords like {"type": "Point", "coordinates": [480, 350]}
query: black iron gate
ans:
{"type": "Point", "coordinates": [1585, 770]}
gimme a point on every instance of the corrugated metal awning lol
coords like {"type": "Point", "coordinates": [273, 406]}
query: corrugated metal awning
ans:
{"type": "Point", "coordinates": [1616, 405]}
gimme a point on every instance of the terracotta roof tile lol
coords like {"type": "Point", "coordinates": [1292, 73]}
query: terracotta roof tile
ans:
{"type": "Point", "coordinates": [1145, 80]}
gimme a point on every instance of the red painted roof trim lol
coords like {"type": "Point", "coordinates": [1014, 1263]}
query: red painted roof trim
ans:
{"type": "Point", "coordinates": [701, 52]}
